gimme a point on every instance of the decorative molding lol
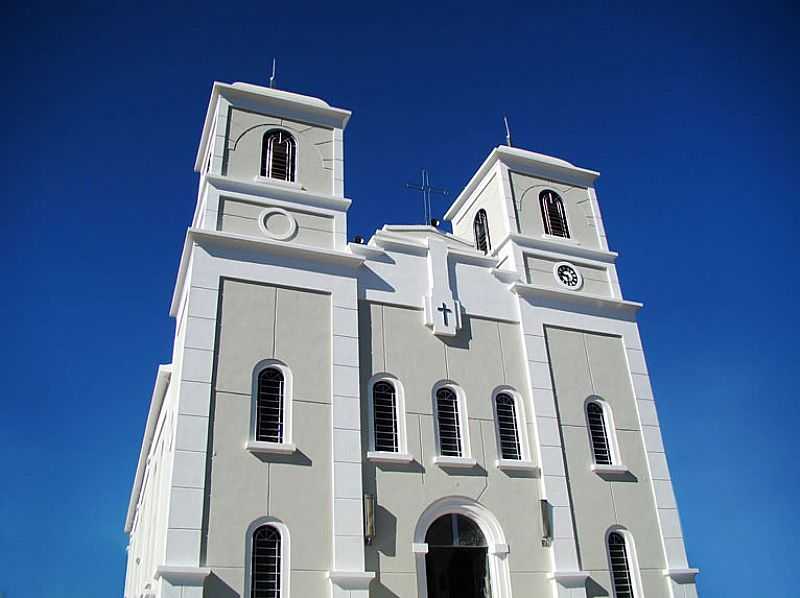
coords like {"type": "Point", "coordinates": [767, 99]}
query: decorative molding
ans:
{"type": "Point", "coordinates": [351, 580]}
{"type": "Point", "coordinates": [265, 189]}
{"type": "Point", "coordinates": [605, 306]}
{"type": "Point", "coordinates": [183, 576]}
{"type": "Point", "coordinates": [261, 447]}
{"type": "Point", "coordinates": [570, 579]}
{"type": "Point", "coordinates": [514, 465]}
{"type": "Point", "coordinates": [682, 575]}
{"type": "Point", "coordinates": [387, 457]}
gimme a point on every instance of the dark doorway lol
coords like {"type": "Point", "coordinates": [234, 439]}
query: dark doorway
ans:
{"type": "Point", "coordinates": [456, 563]}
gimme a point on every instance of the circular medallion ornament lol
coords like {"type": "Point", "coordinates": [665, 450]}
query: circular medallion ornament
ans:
{"type": "Point", "coordinates": [277, 224]}
{"type": "Point", "coordinates": [567, 276]}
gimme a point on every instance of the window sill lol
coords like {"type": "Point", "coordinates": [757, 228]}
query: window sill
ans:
{"type": "Point", "coordinates": [612, 469]}
{"type": "Point", "coordinates": [558, 239]}
{"type": "Point", "coordinates": [259, 447]}
{"type": "Point", "coordinates": [387, 457]}
{"type": "Point", "coordinates": [271, 181]}
{"type": "Point", "coordinates": [465, 462]}
{"type": "Point", "coordinates": [516, 465]}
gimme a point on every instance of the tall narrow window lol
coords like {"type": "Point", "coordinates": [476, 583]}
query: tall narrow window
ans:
{"type": "Point", "coordinates": [620, 566]}
{"type": "Point", "coordinates": [266, 566]}
{"type": "Point", "coordinates": [449, 422]}
{"type": "Point", "coordinates": [481, 228]}
{"type": "Point", "coordinates": [278, 151]}
{"type": "Point", "coordinates": [269, 406]}
{"type": "Point", "coordinates": [553, 214]}
{"type": "Point", "coordinates": [598, 433]}
{"type": "Point", "coordinates": [507, 432]}
{"type": "Point", "coordinates": [384, 406]}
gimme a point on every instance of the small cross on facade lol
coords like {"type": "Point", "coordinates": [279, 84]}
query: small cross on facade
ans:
{"type": "Point", "coordinates": [426, 190]}
{"type": "Point", "coordinates": [444, 311]}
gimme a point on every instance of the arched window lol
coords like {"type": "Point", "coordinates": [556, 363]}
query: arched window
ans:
{"type": "Point", "coordinates": [620, 561]}
{"type": "Point", "coordinates": [270, 406]}
{"type": "Point", "coordinates": [507, 427]}
{"type": "Point", "coordinates": [278, 153]}
{"type": "Point", "coordinates": [384, 412]}
{"type": "Point", "coordinates": [553, 214]}
{"type": "Point", "coordinates": [598, 433]}
{"type": "Point", "coordinates": [481, 227]}
{"type": "Point", "coordinates": [448, 420]}
{"type": "Point", "coordinates": [265, 570]}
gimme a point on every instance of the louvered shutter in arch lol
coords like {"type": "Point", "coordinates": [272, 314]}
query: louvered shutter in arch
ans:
{"type": "Point", "coordinates": [507, 431]}
{"type": "Point", "coordinates": [620, 566]}
{"type": "Point", "coordinates": [553, 214]}
{"type": "Point", "coordinates": [384, 407]}
{"type": "Point", "coordinates": [266, 563]}
{"type": "Point", "coordinates": [598, 433]}
{"type": "Point", "coordinates": [278, 152]}
{"type": "Point", "coordinates": [481, 228]}
{"type": "Point", "coordinates": [449, 422]}
{"type": "Point", "coordinates": [270, 406]}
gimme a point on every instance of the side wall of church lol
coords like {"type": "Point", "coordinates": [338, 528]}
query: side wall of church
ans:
{"type": "Point", "coordinates": [587, 365]}
{"type": "Point", "coordinates": [258, 322]}
{"type": "Point", "coordinates": [486, 354]}
{"type": "Point", "coordinates": [577, 203]}
{"type": "Point", "coordinates": [315, 149]}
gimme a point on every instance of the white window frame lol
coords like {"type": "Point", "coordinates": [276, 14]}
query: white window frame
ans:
{"type": "Point", "coordinates": [466, 459]}
{"type": "Point", "coordinates": [401, 455]}
{"type": "Point", "coordinates": [286, 446]}
{"type": "Point", "coordinates": [633, 561]}
{"type": "Point", "coordinates": [616, 465]}
{"type": "Point", "coordinates": [524, 462]}
{"type": "Point", "coordinates": [285, 554]}
{"type": "Point", "coordinates": [267, 178]}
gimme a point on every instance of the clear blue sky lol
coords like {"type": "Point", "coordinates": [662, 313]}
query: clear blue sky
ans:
{"type": "Point", "coordinates": [690, 112]}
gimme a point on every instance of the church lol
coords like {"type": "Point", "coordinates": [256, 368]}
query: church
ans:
{"type": "Point", "coordinates": [422, 414]}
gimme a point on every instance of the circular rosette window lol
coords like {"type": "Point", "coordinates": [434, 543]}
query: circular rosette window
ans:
{"type": "Point", "coordinates": [567, 276]}
{"type": "Point", "coordinates": [277, 224]}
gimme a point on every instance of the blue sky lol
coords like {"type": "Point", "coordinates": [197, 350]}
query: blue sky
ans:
{"type": "Point", "coordinates": [689, 111]}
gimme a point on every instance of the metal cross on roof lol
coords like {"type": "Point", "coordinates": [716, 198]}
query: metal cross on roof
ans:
{"type": "Point", "coordinates": [426, 190]}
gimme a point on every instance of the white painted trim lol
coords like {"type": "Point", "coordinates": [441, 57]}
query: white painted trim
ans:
{"type": "Point", "coordinates": [260, 447]}
{"type": "Point", "coordinates": [351, 580]}
{"type": "Point", "coordinates": [489, 526]}
{"type": "Point", "coordinates": [633, 561]}
{"type": "Point", "coordinates": [288, 409]}
{"type": "Point", "coordinates": [447, 461]}
{"type": "Point", "coordinates": [163, 377]}
{"type": "Point", "coordinates": [182, 576]}
{"type": "Point", "coordinates": [512, 465]}
{"type": "Point", "coordinates": [611, 436]}
{"type": "Point", "coordinates": [286, 553]}
{"type": "Point", "coordinates": [520, 414]}
{"type": "Point", "coordinates": [682, 575]}
{"type": "Point", "coordinates": [611, 469]}
{"type": "Point", "coordinates": [262, 223]}
{"type": "Point", "coordinates": [400, 417]}
{"type": "Point", "coordinates": [463, 422]}
{"type": "Point", "coordinates": [605, 306]}
{"type": "Point", "coordinates": [570, 579]}
{"type": "Point", "coordinates": [266, 191]}
{"type": "Point", "coordinates": [600, 256]}
{"type": "Point", "coordinates": [387, 457]}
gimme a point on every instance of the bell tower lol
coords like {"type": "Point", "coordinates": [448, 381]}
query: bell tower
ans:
{"type": "Point", "coordinates": [271, 167]}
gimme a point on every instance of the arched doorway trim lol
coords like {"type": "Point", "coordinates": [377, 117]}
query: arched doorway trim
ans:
{"type": "Point", "coordinates": [489, 526]}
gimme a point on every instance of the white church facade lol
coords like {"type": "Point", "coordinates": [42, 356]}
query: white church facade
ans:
{"type": "Point", "coordinates": [424, 414]}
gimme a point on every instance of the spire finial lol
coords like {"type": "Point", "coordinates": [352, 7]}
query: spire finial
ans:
{"type": "Point", "coordinates": [272, 76]}
{"type": "Point", "coordinates": [508, 132]}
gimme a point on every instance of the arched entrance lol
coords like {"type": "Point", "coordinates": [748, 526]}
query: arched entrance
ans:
{"type": "Point", "coordinates": [457, 562]}
{"type": "Point", "coordinates": [465, 549]}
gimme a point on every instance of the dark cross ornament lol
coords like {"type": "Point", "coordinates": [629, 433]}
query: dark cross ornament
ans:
{"type": "Point", "coordinates": [445, 310]}
{"type": "Point", "coordinates": [426, 190]}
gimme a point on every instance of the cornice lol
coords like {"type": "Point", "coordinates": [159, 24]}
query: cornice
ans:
{"type": "Point", "coordinates": [275, 101]}
{"type": "Point", "coordinates": [263, 189]}
{"type": "Point", "coordinates": [318, 255]}
{"type": "Point", "coordinates": [560, 248]}
{"type": "Point", "coordinates": [527, 162]}
{"type": "Point", "coordinates": [582, 302]}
